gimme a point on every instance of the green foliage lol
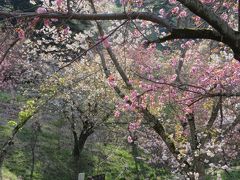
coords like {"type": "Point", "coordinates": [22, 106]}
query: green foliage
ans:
{"type": "Point", "coordinates": [229, 175]}
{"type": "Point", "coordinates": [232, 175]}
{"type": "Point", "coordinates": [8, 175]}
{"type": "Point", "coordinates": [12, 123]}
{"type": "Point", "coordinates": [5, 97]}
{"type": "Point", "coordinates": [28, 111]}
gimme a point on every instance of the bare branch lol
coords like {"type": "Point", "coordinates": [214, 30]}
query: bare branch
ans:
{"type": "Point", "coordinates": [68, 6]}
{"type": "Point", "coordinates": [7, 51]}
{"type": "Point", "coordinates": [233, 125]}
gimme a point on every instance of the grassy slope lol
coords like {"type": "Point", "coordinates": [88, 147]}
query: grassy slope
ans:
{"type": "Point", "coordinates": [53, 156]}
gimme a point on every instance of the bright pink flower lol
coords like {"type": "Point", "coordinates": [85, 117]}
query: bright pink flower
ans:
{"type": "Point", "coordinates": [133, 95]}
{"type": "Point", "coordinates": [116, 114]}
{"type": "Point", "coordinates": [111, 81]}
{"type": "Point", "coordinates": [105, 42]}
{"type": "Point", "coordinates": [21, 33]}
{"type": "Point", "coordinates": [59, 2]}
{"type": "Point", "coordinates": [46, 22]}
{"type": "Point", "coordinates": [175, 10]}
{"type": "Point", "coordinates": [126, 98]}
{"type": "Point", "coordinates": [227, 5]}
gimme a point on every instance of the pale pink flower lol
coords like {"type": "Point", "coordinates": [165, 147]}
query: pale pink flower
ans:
{"type": "Point", "coordinates": [172, 1]}
{"type": "Point", "coordinates": [197, 19]}
{"type": "Point", "coordinates": [188, 110]}
{"type": "Point", "coordinates": [66, 30]}
{"type": "Point", "coordinates": [207, 1]}
{"type": "Point", "coordinates": [116, 114]}
{"type": "Point", "coordinates": [54, 19]}
{"type": "Point", "coordinates": [111, 81]}
{"type": "Point", "coordinates": [224, 16]}
{"type": "Point", "coordinates": [162, 12]}
{"type": "Point", "coordinates": [134, 126]}
{"type": "Point", "coordinates": [41, 10]}
{"type": "Point", "coordinates": [129, 139]}
{"type": "Point", "coordinates": [124, 2]}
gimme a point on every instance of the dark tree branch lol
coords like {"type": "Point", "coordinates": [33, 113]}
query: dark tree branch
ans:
{"type": "Point", "coordinates": [238, 15]}
{"type": "Point", "coordinates": [194, 34]}
{"type": "Point", "coordinates": [88, 17]}
{"type": "Point", "coordinates": [232, 126]}
{"type": "Point", "coordinates": [111, 53]}
{"type": "Point", "coordinates": [191, 34]}
{"type": "Point", "coordinates": [193, 133]}
{"type": "Point", "coordinates": [68, 6]}
{"type": "Point", "coordinates": [8, 50]}
{"type": "Point", "coordinates": [92, 47]}
{"type": "Point", "coordinates": [223, 94]}
{"type": "Point", "coordinates": [214, 114]}
{"type": "Point", "coordinates": [209, 16]}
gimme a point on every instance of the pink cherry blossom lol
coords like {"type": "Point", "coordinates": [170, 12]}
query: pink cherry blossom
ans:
{"type": "Point", "coordinates": [59, 2]}
{"type": "Point", "coordinates": [111, 81]}
{"type": "Point", "coordinates": [21, 33]}
{"type": "Point", "coordinates": [116, 114]}
{"type": "Point", "coordinates": [175, 10]}
{"type": "Point", "coordinates": [182, 14]}
{"type": "Point", "coordinates": [162, 12]}
{"type": "Point", "coordinates": [124, 2]}
{"type": "Point", "coordinates": [172, 1]}
{"type": "Point", "coordinates": [41, 10]}
{"type": "Point", "coordinates": [129, 139]}
{"type": "Point", "coordinates": [66, 30]}
{"type": "Point", "coordinates": [133, 126]}
{"type": "Point", "coordinates": [105, 42]}
{"type": "Point", "coordinates": [46, 22]}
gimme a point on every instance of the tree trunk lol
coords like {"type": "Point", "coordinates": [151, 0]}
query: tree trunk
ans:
{"type": "Point", "coordinates": [135, 154]}
{"type": "Point", "coordinates": [76, 152]}
{"type": "Point", "coordinates": [82, 139]}
{"type": "Point", "coordinates": [33, 164]}
{"type": "Point", "coordinates": [78, 148]}
{"type": "Point", "coordinates": [2, 157]}
{"type": "Point", "coordinates": [1, 164]}
{"type": "Point", "coordinates": [201, 171]}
